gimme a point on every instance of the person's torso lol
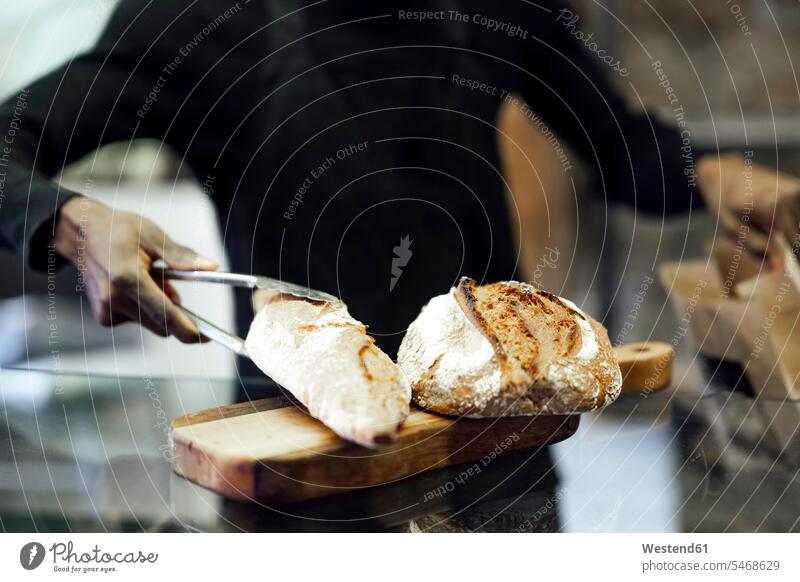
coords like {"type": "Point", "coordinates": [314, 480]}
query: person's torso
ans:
{"type": "Point", "coordinates": [366, 161]}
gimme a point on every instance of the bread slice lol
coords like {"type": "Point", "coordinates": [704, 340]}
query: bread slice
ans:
{"type": "Point", "coordinates": [324, 357]}
{"type": "Point", "coordinates": [507, 349]}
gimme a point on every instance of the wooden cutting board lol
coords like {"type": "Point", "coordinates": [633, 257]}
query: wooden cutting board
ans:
{"type": "Point", "coordinates": [272, 451]}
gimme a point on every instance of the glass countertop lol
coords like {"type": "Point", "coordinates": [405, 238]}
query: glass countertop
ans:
{"type": "Point", "coordinates": [91, 453]}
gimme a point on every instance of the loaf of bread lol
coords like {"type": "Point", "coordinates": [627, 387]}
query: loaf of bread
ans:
{"type": "Point", "coordinates": [324, 357]}
{"type": "Point", "coordinates": [507, 349]}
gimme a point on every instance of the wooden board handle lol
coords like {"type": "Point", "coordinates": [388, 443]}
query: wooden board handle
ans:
{"type": "Point", "coordinates": [646, 366]}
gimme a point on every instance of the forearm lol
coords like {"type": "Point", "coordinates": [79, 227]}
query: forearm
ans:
{"type": "Point", "coordinates": [635, 159]}
{"type": "Point", "coordinates": [29, 200]}
{"type": "Point", "coordinates": [44, 127]}
{"type": "Point", "coordinates": [90, 101]}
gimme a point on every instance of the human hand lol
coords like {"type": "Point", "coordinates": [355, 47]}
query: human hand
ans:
{"type": "Point", "coordinates": [754, 205]}
{"type": "Point", "coordinates": [114, 252]}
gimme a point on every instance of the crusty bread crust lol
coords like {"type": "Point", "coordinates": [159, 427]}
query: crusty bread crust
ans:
{"type": "Point", "coordinates": [546, 356]}
{"type": "Point", "coordinates": [325, 358]}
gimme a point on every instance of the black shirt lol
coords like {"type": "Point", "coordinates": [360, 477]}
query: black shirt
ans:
{"type": "Point", "coordinates": [348, 145]}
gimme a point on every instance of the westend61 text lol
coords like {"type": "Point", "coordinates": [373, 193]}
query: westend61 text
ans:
{"type": "Point", "coordinates": [672, 549]}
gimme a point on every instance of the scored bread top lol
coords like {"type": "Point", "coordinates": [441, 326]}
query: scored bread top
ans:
{"type": "Point", "coordinates": [507, 349]}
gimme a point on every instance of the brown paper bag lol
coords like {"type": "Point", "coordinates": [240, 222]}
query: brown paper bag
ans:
{"type": "Point", "coordinates": [734, 310]}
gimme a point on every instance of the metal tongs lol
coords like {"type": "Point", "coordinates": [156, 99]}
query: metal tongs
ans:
{"type": "Point", "coordinates": [214, 332]}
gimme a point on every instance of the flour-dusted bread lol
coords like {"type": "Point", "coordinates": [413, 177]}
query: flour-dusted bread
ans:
{"type": "Point", "coordinates": [324, 357]}
{"type": "Point", "coordinates": [507, 349]}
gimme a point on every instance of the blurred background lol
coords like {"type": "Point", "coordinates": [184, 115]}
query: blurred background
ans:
{"type": "Point", "coordinates": [730, 64]}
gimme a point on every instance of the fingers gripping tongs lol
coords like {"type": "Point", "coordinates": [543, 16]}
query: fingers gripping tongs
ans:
{"type": "Point", "coordinates": [216, 333]}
